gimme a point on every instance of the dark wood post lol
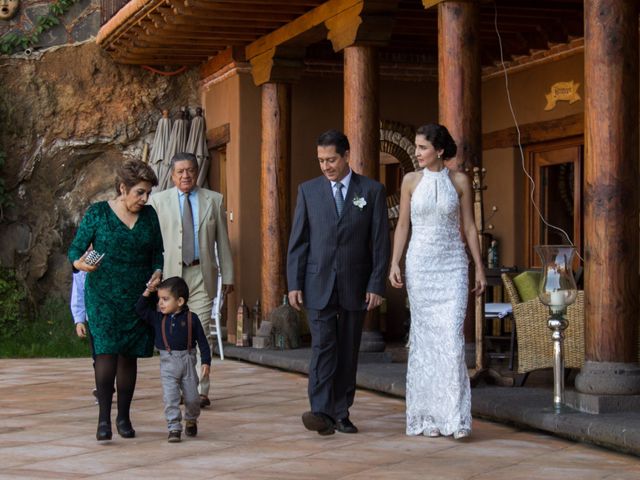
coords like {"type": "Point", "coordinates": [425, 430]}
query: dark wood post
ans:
{"type": "Point", "coordinates": [362, 127]}
{"type": "Point", "coordinates": [361, 108]}
{"type": "Point", "coordinates": [274, 191]}
{"type": "Point", "coordinates": [459, 80]}
{"type": "Point", "coordinates": [459, 93]}
{"type": "Point", "coordinates": [611, 229]}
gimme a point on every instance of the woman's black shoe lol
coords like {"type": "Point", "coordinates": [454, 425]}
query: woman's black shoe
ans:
{"type": "Point", "coordinates": [104, 431]}
{"type": "Point", "coordinates": [125, 429]}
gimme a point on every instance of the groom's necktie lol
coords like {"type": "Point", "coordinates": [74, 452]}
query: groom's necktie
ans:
{"type": "Point", "coordinates": [188, 239]}
{"type": "Point", "coordinates": [339, 198]}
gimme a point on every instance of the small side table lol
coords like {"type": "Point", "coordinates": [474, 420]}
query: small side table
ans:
{"type": "Point", "coordinates": [501, 311]}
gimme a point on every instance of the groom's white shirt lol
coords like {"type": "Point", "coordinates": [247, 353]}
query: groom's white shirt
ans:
{"type": "Point", "coordinates": [345, 185]}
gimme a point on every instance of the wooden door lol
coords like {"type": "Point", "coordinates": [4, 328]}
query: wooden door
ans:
{"type": "Point", "coordinates": [556, 170]}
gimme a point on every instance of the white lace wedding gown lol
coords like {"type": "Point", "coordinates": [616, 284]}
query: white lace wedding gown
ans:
{"type": "Point", "coordinates": [438, 393]}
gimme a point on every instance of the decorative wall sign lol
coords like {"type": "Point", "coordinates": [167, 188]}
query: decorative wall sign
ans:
{"type": "Point", "coordinates": [567, 91]}
{"type": "Point", "coordinates": [8, 9]}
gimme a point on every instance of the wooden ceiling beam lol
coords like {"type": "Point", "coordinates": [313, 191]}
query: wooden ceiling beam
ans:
{"type": "Point", "coordinates": [199, 13]}
{"type": "Point", "coordinates": [172, 19]}
{"type": "Point", "coordinates": [193, 50]}
{"type": "Point", "coordinates": [252, 8]}
{"type": "Point", "coordinates": [303, 3]}
{"type": "Point", "coordinates": [307, 22]}
{"type": "Point", "coordinates": [160, 41]}
{"type": "Point", "coordinates": [191, 35]}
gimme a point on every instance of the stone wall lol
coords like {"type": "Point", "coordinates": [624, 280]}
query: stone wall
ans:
{"type": "Point", "coordinates": [80, 23]}
{"type": "Point", "coordinates": [68, 117]}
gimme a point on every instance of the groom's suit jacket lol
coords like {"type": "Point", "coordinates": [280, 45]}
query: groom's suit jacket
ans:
{"type": "Point", "coordinates": [212, 231]}
{"type": "Point", "coordinates": [350, 251]}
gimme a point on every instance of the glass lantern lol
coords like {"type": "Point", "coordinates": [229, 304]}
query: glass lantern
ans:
{"type": "Point", "coordinates": [557, 289]}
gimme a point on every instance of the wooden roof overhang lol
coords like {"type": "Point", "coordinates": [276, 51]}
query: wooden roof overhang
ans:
{"type": "Point", "coordinates": [190, 32]}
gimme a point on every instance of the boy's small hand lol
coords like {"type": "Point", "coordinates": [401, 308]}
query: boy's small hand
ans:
{"type": "Point", "coordinates": [205, 370]}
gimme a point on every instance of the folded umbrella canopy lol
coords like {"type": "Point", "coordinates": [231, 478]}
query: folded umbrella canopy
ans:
{"type": "Point", "coordinates": [159, 148]}
{"type": "Point", "coordinates": [197, 144]}
{"type": "Point", "coordinates": [177, 144]}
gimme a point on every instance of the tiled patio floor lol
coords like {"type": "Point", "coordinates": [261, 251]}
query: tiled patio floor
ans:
{"type": "Point", "coordinates": [253, 431]}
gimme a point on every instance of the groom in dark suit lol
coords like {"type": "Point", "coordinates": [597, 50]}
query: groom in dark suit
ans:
{"type": "Point", "coordinates": [336, 268]}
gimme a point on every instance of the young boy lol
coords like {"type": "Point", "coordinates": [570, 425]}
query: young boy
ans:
{"type": "Point", "coordinates": [177, 331]}
{"type": "Point", "coordinates": [79, 314]}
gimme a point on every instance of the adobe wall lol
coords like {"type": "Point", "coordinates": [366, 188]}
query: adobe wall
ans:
{"type": "Point", "coordinates": [505, 179]}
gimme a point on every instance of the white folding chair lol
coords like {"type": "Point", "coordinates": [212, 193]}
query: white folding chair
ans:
{"type": "Point", "coordinates": [216, 310]}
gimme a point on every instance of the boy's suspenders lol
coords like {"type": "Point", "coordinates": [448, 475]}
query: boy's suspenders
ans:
{"type": "Point", "coordinates": [189, 333]}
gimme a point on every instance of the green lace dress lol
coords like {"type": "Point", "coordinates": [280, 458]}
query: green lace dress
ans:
{"type": "Point", "coordinates": [131, 257]}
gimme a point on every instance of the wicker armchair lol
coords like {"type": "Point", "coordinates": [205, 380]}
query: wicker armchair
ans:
{"type": "Point", "coordinates": [535, 348]}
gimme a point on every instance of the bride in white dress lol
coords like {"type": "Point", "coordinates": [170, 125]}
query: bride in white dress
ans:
{"type": "Point", "coordinates": [433, 202]}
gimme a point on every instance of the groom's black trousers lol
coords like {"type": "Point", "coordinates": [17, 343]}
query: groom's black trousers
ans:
{"type": "Point", "coordinates": [335, 343]}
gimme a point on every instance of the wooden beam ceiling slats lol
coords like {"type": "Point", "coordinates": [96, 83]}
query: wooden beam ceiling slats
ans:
{"type": "Point", "coordinates": [300, 25]}
{"type": "Point", "coordinates": [252, 8]}
{"type": "Point", "coordinates": [212, 25]}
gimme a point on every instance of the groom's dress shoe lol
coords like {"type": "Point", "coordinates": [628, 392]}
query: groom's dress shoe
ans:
{"type": "Point", "coordinates": [344, 425]}
{"type": "Point", "coordinates": [318, 422]}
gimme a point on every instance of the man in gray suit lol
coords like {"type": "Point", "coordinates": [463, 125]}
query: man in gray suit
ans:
{"type": "Point", "coordinates": [336, 267]}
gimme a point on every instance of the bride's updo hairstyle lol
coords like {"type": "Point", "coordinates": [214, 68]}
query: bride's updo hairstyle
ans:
{"type": "Point", "coordinates": [440, 138]}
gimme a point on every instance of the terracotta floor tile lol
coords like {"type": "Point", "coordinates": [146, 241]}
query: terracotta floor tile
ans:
{"type": "Point", "coordinates": [253, 431]}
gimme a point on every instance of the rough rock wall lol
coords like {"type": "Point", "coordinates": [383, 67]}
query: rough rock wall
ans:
{"type": "Point", "coordinates": [68, 117]}
{"type": "Point", "coordinates": [80, 23]}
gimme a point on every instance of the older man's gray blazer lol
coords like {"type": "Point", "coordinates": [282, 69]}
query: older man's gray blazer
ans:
{"type": "Point", "coordinates": [350, 252]}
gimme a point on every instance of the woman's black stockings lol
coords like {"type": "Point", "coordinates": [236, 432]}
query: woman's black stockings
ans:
{"type": "Point", "coordinates": [117, 369]}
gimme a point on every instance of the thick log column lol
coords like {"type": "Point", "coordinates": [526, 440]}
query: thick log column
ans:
{"type": "Point", "coordinates": [361, 108]}
{"type": "Point", "coordinates": [275, 210]}
{"type": "Point", "coordinates": [362, 127]}
{"type": "Point", "coordinates": [459, 80]}
{"type": "Point", "coordinates": [459, 84]}
{"type": "Point", "coordinates": [611, 199]}
{"type": "Point", "coordinates": [274, 70]}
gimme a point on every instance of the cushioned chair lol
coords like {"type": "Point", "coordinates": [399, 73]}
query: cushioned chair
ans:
{"type": "Point", "coordinates": [535, 347]}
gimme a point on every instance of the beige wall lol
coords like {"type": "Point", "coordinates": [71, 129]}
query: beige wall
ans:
{"type": "Point", "coordinates": [236, 101]}
{"type": "Point", "coordinates": [505, 179]}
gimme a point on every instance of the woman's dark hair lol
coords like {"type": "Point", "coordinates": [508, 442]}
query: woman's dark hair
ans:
{"type": "Point", "coordinates": [440, 138]}
{"type": "Point", "coordinates": [177, 286]}
{"type": "Point", "coordinates": [335, 138]}
{"type": "Point", "coordinates": [132, 172]}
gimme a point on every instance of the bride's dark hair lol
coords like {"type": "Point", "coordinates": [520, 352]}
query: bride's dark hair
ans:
{"type": "Point", "coordinates": [440, 138]}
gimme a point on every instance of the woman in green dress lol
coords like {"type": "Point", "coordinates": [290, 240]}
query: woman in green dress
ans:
{"type": "Point", "coordinates": [127, 232]}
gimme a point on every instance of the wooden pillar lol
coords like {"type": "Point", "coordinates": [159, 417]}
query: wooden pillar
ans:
{"type": "Point", "coordinates": [275, 213]}
{"type": "Point", "coordinates": [362, 127]}
{"type": "Point", "coordinates": [361, 108]}
{"type": "Point", "coordinates": [611, 174]}
{"type": "Point", "coordinates": [459, 81]}
{"type": "Point", "coordinates": [459, 92]}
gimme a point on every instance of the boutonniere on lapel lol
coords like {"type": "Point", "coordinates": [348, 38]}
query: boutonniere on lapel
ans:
{"type": "Point", "coordinates": [359, 202]}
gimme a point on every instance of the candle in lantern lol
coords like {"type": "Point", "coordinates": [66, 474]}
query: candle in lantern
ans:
{"type": "Point", "coordinates": [557, 300]}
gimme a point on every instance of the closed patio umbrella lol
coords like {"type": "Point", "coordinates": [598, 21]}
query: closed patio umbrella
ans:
{"type": "Point", "coordinates": [177, 144]}
{"type": "Point", "coordinates": [197, 144]}
{"type": "Point", "coordinates": [159, 148]}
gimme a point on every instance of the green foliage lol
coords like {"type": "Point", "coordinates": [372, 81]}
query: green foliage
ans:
{"type": "Point", "coordinates": [50, 334]}
{"type": "Point", "coordinates": [13, 302]}
{"type": "Point", "coordinates": [12, 42]}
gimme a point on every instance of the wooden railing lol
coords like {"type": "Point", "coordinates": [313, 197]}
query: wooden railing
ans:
{"type": "Point", "coordinates": [108, 8]}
